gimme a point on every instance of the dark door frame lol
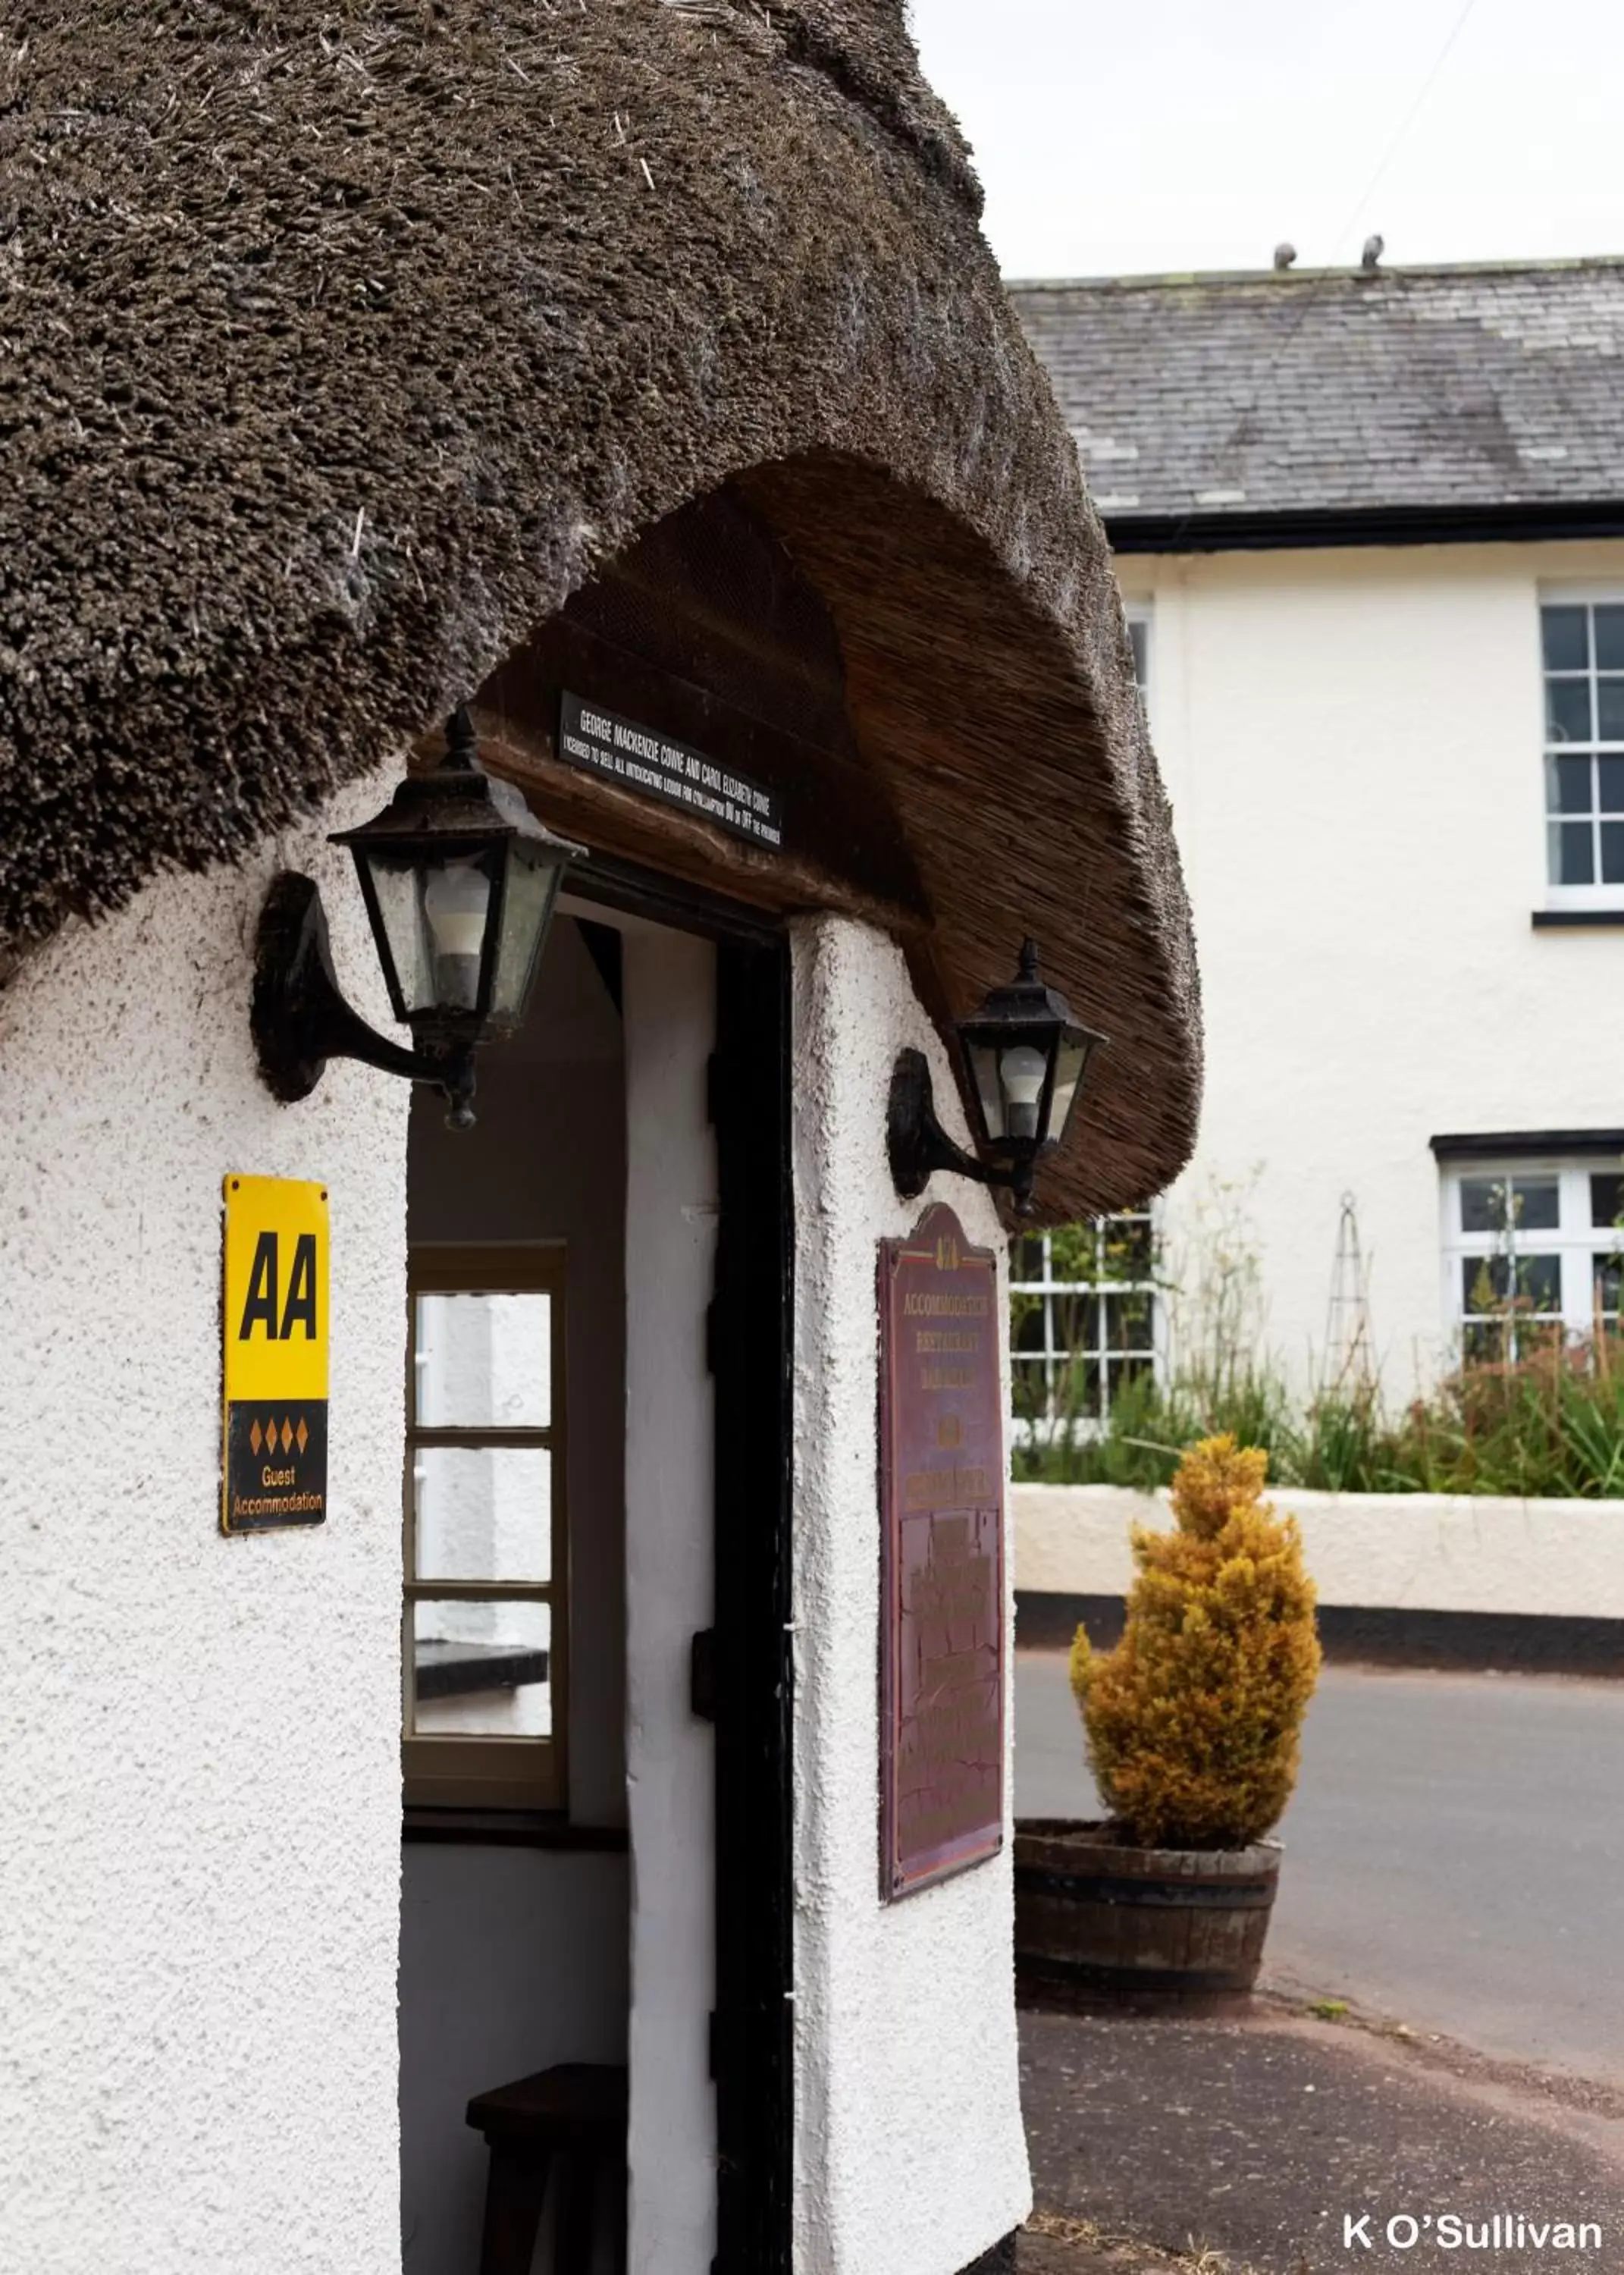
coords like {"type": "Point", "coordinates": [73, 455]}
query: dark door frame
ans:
{"type": "Point", "coordinates": [745, 1668]}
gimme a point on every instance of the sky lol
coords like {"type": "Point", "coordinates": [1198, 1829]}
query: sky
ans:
{"type": "Point", "coordinates": [1150, 136]}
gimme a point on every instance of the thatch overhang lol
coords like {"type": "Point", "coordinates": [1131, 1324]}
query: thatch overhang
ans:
{"type": "Point", "coordinates": [354, 355]}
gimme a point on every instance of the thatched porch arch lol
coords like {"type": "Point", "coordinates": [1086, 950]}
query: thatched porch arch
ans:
{"type": "Point", "coordinates": [351, 351]}
{"type": "Point", "coordinates": [944, 770]}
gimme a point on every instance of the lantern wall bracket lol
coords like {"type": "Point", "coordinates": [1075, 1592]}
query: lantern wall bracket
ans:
{"type": "Point", "coordinates": [299, 1019]}
{"type": "Point", "coordinates": [918, 1147]}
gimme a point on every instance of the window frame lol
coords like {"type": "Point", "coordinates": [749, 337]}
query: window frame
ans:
{"type": "Point", "coordinates": [493, 1771]}
{"type": "Point", "coordinates": [1574, 1239]}
{"type": "Point", "coordinates": [1046, 1428]}
{"type": "Point", "coordinates": [1596, 896]}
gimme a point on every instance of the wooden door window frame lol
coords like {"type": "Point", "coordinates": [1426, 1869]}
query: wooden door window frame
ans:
{"type": "Point", "coordinates": [492, 1771]}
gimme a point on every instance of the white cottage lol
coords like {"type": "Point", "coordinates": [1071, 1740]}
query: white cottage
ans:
{"type": "Point", "coordinates": [1370, 525]}
{"type": "Point", "coordinates": [398, 1876]}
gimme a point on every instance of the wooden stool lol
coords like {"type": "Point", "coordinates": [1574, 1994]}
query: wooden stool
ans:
{"type": "Point", "coordinates": [573, 2119]}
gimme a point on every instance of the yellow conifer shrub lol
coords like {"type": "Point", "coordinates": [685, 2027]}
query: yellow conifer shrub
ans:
{"type": "Point", "coordinates": [1193, 1721]}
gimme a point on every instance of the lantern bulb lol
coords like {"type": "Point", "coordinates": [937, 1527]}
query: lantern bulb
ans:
{"type": "Point", "coordinates": [1021, 1071]}
{"type": "Point", "coordinates": [455, 902]}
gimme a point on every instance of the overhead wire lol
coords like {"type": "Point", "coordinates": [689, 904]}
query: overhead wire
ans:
{"type": "Point", "coordinates": [1312, 287]}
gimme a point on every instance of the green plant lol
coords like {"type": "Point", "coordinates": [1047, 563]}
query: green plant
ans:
{"type": "Point", "coordinates": [1193, 1721]}
{"type": "Point", "coordinates": [1546, 1420]}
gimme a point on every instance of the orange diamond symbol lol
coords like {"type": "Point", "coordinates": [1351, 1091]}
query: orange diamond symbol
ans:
{"type": "Point", "coordinates": [287, 1435]}
{"type": "Point", "coordinates": [254, 1434]}
{"type": "Point", "coordinates": [302, 1434]}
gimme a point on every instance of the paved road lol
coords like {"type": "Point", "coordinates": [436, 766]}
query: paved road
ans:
{"type": "Point", "coordinates": [1455, 1852]}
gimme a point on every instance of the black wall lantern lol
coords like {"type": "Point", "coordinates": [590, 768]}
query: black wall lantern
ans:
{"type": "Point", "coordinates": [1025, 1056]}
{"type": "Point", "coordinates": [459, 879]}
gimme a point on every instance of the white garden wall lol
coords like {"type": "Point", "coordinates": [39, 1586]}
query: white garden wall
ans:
{"type": "Point", "coordinates": [1387, 1552]}
{"type": "Point", "coordinates": [1352, 743]}
{"type": "Point", "coordinates": [199, 1883]}
{"type": "Point", "coordinates": [910, 2153]}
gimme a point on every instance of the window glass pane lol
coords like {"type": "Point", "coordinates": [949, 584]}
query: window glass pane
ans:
{"type": "Point", "coordinates": [1610, 710]}
{"type": "Point", "coordinates": [1128, 1323]}
{"type": "Point", "coordinates": [485, 1361]}
{"type": "Point", "coordinates": [1609, 639]}
{"type": "Point", "coordinates": [1482, 1343]}
{"type": "Point", "coordinates": [1606, 1197]}
{"type": "Point", "coordinates": [1573, 853]}
{"type": "Point", "coordinates": [1027, 1257]}
{"type": "Point", "coordinates": [1536, 1204]}
{"type": "Point", "coordinates": [1482, 1203]}
{"type": "Point", "coordinates": [1567, 785]}
{"type": "Point", "coordinates": [1127, 1248]}
{"type": "Point", "coordinates": [483, 1512]}
{"type": "Point", "coordinates": [1537, 1281]}
{"type": "Point", "coordinates": [1609, 783]}
{"type": "Point", "coordinates": [1124, 1370]}
{"type": "Point", "coordinates": [481, 1670]}
{"type": "Point", "coordinates": [1607, 1274]}
{"type": "Point", "coordinates": [1076, 1321]}
{"type": "Point", "coordinates": [1029, 1323]}
{"type": "Point", "coordinates": [1530, 1283]}
{"type": "Point", "coordinates": [1077, 1391]}
{"type": "Point", "coordinates": [1565, 638]}
{"type": "Point", "coordinates": [1139, 640]}
{"type": "Point", "coordinates": [1612, 853]}
{"type": "Point", "coordinates": [1567, 711]}
{"type": "Point", "coordinates": [1482, 1282]}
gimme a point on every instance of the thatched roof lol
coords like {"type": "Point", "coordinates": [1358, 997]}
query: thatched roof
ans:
{"type": "Point", "coordinates": [344, 345]}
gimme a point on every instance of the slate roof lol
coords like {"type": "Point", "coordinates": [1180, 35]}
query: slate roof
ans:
{"type": "Point", "coordinates": [1215, 409]}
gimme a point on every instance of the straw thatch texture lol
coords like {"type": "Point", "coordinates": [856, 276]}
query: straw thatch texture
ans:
{"type": "Point", "coordinates": [341, 345]}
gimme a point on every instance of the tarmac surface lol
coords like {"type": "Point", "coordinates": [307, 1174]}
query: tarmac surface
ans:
{"type": "Point", "coordinates": [1454, 1854]}
{"type": "Point", "coordinates": [1280, 2145]}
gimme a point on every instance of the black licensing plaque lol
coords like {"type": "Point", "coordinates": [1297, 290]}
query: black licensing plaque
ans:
{"type": "Point", "coordinates": [638, 758]}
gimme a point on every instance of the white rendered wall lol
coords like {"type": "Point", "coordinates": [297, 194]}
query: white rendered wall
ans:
{"type": "Point", "coordinates": [909, 2154]}
{"type": "Point", "coordinates": [669, 998]}
{"type": "Point", "coordinates": [199, 1886]}
{"type": "Point", "coordinates": [1352, 743]}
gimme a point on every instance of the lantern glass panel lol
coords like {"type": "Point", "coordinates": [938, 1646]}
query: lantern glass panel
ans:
{"type": "Point", "coordinates": [532, 886]}
{"type": "Point", "coordinates": [1022, 1070]}
{"type": "Point", "coordinates": [982, 1058]}
{"type": "Point", "coordinates": [1068, 1064]}
{"type": "Point", "coordinates": [397, 889]}
{"type": "Point", "coordinates": [456, 906]}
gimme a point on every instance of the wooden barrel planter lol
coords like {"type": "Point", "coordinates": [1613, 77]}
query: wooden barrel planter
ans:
{"type": "Point", "coordinates": [1117, 1925]}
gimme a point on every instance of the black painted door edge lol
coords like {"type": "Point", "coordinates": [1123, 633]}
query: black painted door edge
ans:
{"type": "Point", "coordinates": [750, 1676]}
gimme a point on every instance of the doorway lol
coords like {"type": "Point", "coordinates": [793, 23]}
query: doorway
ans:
{"type": "Point", "coordinates": [596, 1834]}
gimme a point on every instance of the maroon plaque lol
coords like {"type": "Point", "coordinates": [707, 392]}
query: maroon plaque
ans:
{"type": "Point", "coordinates": [942, 1486]}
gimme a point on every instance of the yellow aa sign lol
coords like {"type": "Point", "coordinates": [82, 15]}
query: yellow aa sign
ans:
{"type": "Point", "coordinates": [275, 1330]}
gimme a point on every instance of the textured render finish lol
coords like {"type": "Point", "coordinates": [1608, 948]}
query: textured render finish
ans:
{"type": "Point", "coordinates": [1327, 390]}
{"type": "Point", "coordinates": [1374, 1551]}
{"type": "Point", "coordinates": [669, 995]}
{"type": "Point", "coordinates": [909, 2154]}
{"type": "Point", "coordinates": [1353, 743]}
{"type": "Point", "coordinates": [199, 1888]}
